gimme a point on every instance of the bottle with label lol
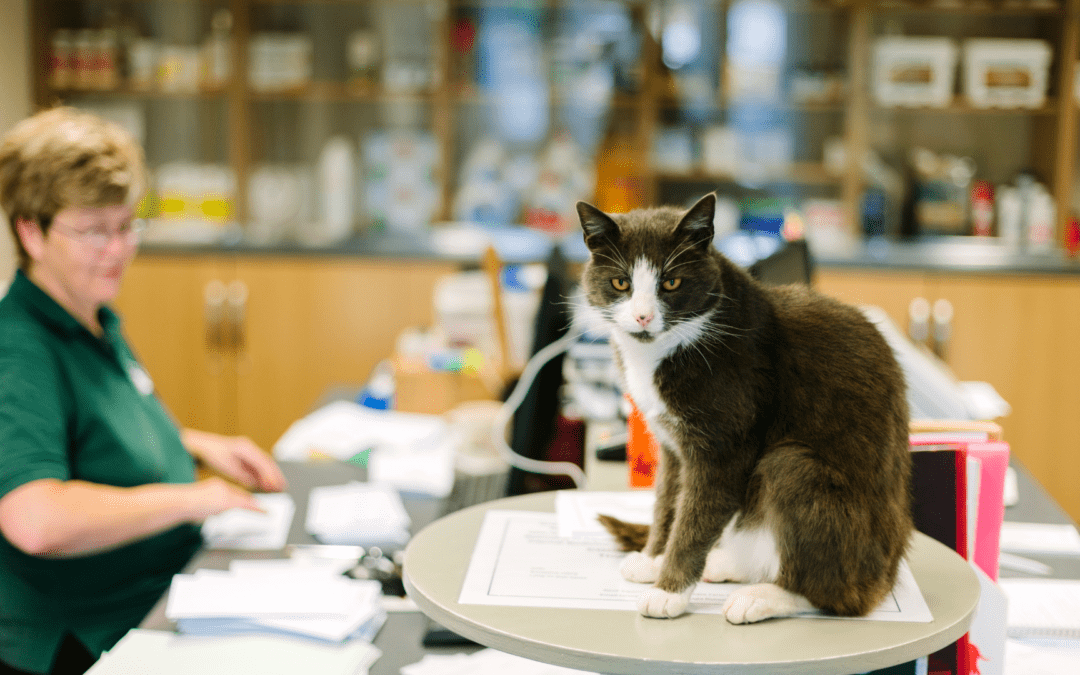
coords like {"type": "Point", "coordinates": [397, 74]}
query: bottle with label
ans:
{"type": "Point", "coordinates": [1041, 214]}
{"type": "Point", "coordinates": [982, 208]}
{"type": "Point", "coordinates": [1010, 216]}
{"type": "Point", "coordinates": [215, 65]}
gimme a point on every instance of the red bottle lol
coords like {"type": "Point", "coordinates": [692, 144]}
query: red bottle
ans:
{"type": "Point", "coordinates": [982, 208]}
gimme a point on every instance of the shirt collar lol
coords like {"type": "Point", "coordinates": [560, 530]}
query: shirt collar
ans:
{"type": "Point", "coordinates": [47, 310]}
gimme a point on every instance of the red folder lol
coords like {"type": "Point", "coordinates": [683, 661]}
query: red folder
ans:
{"type": "Point", "coordinates": [940, 508]}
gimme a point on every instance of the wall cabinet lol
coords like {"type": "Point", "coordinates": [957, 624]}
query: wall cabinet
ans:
{"type": "Point", "coordinates": [645, 87]}
{"type": "Point", "coordinates": [290, 329]}
{"type": "Point", "coordinates": [1017, 332]}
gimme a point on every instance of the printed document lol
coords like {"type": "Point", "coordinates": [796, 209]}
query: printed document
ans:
{"type": "Point", "coordinates": [520, 560]}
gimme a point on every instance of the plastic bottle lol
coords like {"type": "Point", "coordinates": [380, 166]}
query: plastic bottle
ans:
{"type": "Point", "coordinates": [1009, 216]}
{"type": "Point", "coordinates": [1041, 215]}
{"type": "Point", "coordinates": [982, 208]}
{"type": "Point", "coordinates": [378, 394]}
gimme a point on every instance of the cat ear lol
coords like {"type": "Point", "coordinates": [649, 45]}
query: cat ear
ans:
{"type": "Point", "coordinates": [697, 224]}
{"type": "Point", "coordinates": [596, 224]}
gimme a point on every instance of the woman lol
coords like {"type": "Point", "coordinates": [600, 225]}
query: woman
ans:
{"type": "Point", "coordinates": [99, 504]}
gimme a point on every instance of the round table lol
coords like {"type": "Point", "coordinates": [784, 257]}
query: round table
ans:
{"type": "Point", "coordinates": [625, 642]}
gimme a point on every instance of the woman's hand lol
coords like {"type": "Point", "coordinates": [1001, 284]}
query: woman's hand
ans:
{"type": "Point", "coordinates": [214, 495]}
{"type": "Point", "coordinates": [237, 458]}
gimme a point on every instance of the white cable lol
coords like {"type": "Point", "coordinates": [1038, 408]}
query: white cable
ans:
{"type": "Point", "coordinates": [506, 412]}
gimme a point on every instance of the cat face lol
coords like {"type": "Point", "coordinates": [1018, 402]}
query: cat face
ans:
{"type": "Point", "coordinates": [651, 270]}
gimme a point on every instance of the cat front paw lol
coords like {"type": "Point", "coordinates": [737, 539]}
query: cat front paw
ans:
{"type": "Point", "coordinates": [640, 568]}
{"type": "Point", "coordinates": [763, 601]}
{"type": "Point", "coordinates": [660, 604]}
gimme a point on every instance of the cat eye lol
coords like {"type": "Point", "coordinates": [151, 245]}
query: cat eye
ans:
{"type": "Point", "coordinates": [671, 284]}
{"type": "Point", "coordinates": [620, 283]}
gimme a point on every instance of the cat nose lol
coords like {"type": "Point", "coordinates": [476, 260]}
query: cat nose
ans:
{"type": "Point", "coordinates": [644, 319]}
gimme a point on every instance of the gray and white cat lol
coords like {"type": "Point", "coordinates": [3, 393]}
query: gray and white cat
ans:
{"type": "Point", "coordinates": [781, 417]}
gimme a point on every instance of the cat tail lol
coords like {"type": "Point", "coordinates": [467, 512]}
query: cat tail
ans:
{"type": "Point", "coordinates": [629, 536]}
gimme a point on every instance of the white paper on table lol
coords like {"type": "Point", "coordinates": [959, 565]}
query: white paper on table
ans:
{"type": "Point", "coordinates": [251, 530]}
{"type": "Point", "coordinates": [342, 429]}
{"type": "Point", "coordinates": [577, 511]}
{"type": "Point", "coordinates": [1040, 538]}
{"type": "Point", "coordinates": [1042, 608]}
{"type": "Point", "coordinates": [368, 613]}
{"type": "Point", "coordinates": [165, 653]}
{"type": "Point", "coordinates": [521, 561]}
{"type": "Point", "coordinates": [1026, 659]}
{"type": "Point", "coordinates": [215, 593]}
{"type": "Point", "coordinates": [483, 662]}
{"type": "Point", "coordinates": [293, 567]}
{"type": "Point", "coordinates": [357, 513]}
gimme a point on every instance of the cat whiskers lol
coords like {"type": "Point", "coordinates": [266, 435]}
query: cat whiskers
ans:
{"type": "Point", "coordinates": [619, 262]}
{"type": "Point", "coordinates": [676, 253]}
{"type": "Point", "coordinates": [686, 339]}
{"type": "Point", "coordinates": [668, 269]}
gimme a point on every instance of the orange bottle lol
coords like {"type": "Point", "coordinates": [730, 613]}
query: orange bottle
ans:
{"type": "Point", "coordinates": [642, 450]}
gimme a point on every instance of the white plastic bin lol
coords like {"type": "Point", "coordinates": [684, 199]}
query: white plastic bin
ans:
{"type": "Point", "coordinates": [1006, 73]}
{"type": "Point", "coordinates": [914, 71]}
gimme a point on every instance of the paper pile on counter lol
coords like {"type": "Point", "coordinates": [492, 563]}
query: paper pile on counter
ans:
{"type": "Point", "coordinates": [483, 662]}
{"type": "Point", "coordinates": [163, 653]}
{"type": "Point", "coordinates": [411, 451]}
{"type": "Point", "coordinates": [358, 514]}
{"type": "Point", "coordinates": [251, 530]}
{"type": "Point", "coordinates": [295, 597]}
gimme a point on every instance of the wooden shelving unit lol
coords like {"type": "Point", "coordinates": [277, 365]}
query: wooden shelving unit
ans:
{"type": "Point", "coordinates": [450, 98]}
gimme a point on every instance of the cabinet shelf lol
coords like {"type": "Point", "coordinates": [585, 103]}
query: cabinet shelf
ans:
{"type": "Point", "coordinates": [798, 173]}
{"type": "Point", "coordinates": [672, 103]}
{"type": "Point", "coordinates": [960, 106]}
{"type": "Point", "coordinates": [973, 8]}
{"type": "Point", "coordinates": [341, 92]}
{"type": "Point", "coordinates": [468, 93]}
{"type": "Point", "coordinates": [127, 93]}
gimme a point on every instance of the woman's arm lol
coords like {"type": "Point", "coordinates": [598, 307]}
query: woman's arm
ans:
{"type": "Point", "coordinates": [236, 458]}
{"type": "Point", "coordinates": [55, 519]}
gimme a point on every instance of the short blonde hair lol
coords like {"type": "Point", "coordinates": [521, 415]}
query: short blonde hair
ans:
{"type": "Point", "coordinates": [66, 157]}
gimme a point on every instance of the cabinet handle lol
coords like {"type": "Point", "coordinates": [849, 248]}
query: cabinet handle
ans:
{"type": "Point", "coordinates": [943, 321]}
{"type": "Point", "coordinates": [919, 321]}
{"type": "Point", "coordinates": [237, 306]}
{"type": "Point", "coordinates": [213, 315]}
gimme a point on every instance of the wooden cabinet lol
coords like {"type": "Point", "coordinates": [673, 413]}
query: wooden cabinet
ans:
{"type": "Point", "coordinates": [294, 327]}
{"type": "Point", "coordinates": [1017, 332]}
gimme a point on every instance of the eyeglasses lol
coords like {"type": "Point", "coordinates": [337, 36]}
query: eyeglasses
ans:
{"type": "Point", "coordinates": [98, 238]}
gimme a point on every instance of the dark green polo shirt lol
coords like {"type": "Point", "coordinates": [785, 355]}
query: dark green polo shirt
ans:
{"type": "Point", "coordinates": [75, 406]}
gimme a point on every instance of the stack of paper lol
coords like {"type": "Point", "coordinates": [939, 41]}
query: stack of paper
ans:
{"type": "Point", "coordinates": [1040, 538]}
{"type": "Point", "coordinates": [294, 597]}
{"type": "Point", "coordinates": [162, 653]}
{"type": "Point", "coordinates": [358, 514]}
{"type": "Point", "coordinates": [1043, 608]}
{"type": "Point", "coordinates": [411, 451]}
{"type": "Point", "coordinates": [483, 662]}
{"type": "Point", "coordinates": [251, 530]}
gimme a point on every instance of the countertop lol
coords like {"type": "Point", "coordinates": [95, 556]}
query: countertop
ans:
{"type": "Point", "coordinates": [520, 245]}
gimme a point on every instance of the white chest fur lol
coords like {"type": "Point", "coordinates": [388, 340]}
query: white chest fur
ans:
{"type": "Point", "coordinates": [640, 361]}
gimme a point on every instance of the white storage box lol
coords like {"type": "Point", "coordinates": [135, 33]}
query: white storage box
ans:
{"type": "Point", "coordinates": [1005, 73]}
{"type": "Point", "coordinates": [914, 71]}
